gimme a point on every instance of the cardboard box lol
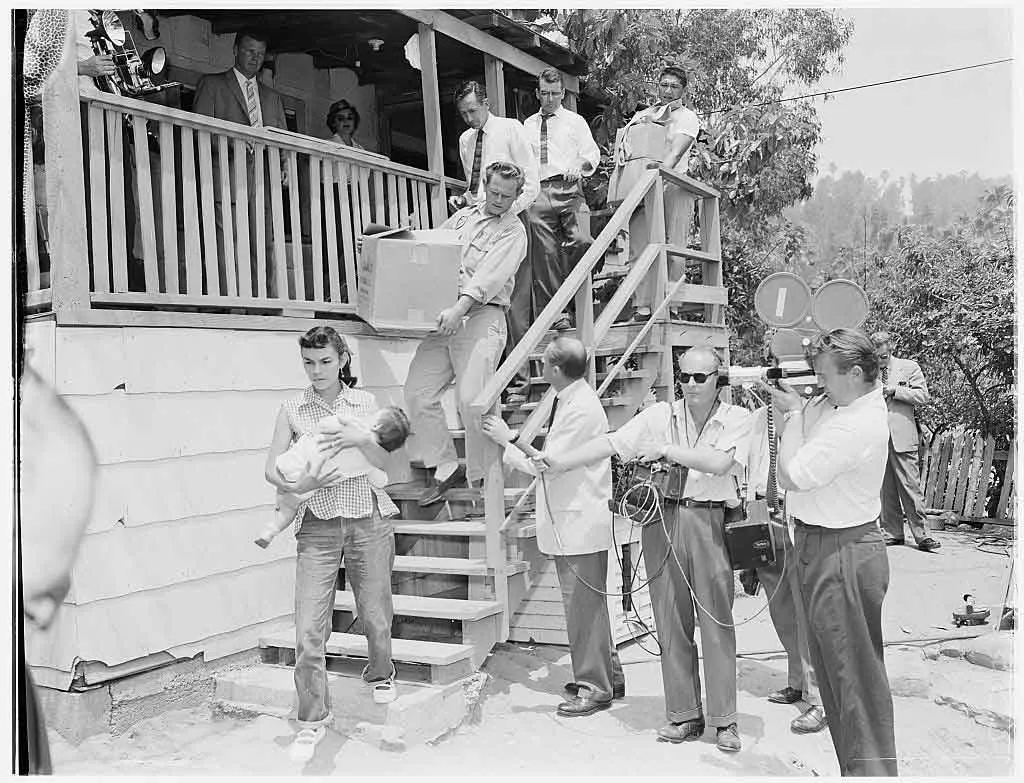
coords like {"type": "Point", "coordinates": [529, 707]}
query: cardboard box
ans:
{"type": "Point", "coordinates": [635, 148]}
{"type": "Point", "coordinates": [407, 277]}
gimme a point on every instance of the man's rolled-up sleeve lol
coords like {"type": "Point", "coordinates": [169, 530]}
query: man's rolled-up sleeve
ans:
{"type": "Point", "coordinates": [636, 433]}
{"type": "Point", "coordinates": [735, 436]}
{"type": "Point", "coordinates": [831, 451]}
{"type": "Point", "coordinates": [504, 254]}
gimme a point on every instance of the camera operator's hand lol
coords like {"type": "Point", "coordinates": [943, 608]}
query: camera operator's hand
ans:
{"type": "Point", "coordinates": [784, 396]}
{"type": "Point", "coordinates": [652, 453]}
{"type": "Point", "coordinates": [888, 392]}
{"type": "Point", "coordinates": [96, 66]}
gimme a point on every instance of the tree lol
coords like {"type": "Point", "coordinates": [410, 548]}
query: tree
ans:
{"type": "Point", "coordinates": [947, 297]}
{"type": "Point", "coordinates": [758, 151]}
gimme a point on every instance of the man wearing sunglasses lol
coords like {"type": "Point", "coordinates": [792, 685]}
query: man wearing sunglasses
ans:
{"type": "Point", "coordinates": [690, 568]}
{"type": "Point", "coordinates": [831, 462]}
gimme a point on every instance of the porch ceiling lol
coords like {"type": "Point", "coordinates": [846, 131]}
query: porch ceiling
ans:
{"type": "Point", "coordinates": [340, 38]}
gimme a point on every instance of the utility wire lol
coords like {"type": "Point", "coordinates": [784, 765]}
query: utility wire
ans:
{"type": "Point", "coordinates": [863, 86]}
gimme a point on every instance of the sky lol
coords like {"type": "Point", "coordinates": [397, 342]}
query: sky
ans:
{"type": "Point", "coordinates": [939, 125]}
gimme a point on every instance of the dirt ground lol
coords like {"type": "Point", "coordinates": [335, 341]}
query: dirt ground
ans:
{"type": "Point", "coordinates": [953, 717]}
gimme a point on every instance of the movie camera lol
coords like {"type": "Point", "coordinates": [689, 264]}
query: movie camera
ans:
{"type": "Point", "coordinates": [133, 74]}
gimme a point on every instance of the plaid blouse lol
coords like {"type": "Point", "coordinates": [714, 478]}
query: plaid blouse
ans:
{"type": "Point", "coordinates": [351, 498]}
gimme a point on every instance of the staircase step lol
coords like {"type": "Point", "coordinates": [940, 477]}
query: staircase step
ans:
{"type": "Point", "coordinates": [692, 253]}
{"type": "Point", "coordinates": [446, 565]}
{"type": "Point", "coordinates": [402, 650]}
{"type": "Point", "coordinates": [420, 606]}
{"type": "Point", "coordinates": [414, 527]}
{"type": "Point", "coordinates": [412, 491]}
{"type": "Point", "coordinates": [608, 402]}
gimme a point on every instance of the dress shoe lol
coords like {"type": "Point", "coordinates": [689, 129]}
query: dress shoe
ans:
{"type": "Point", "coordinates": [811, 721]}
{"type": "Point", "coordinates": [728, 738]}
{"type": "Point", "coordinates": [894, 542]}
{"type": "Point", "coordinates": [562, 323]}
{"type": "Point", "coordinates": [786, 696]}
{"type": "Point", "coordinates": [435, 493]}
{"type": "Point", "coordinates": [516, 397]}
{"type": "Point", "coordinates": [928, 545]}
{"type": "Point", "coordinates": [583, 703]}
{"type": "Point", "coordinates": [641, 314]}
{"type": "Point", "coordinates": [682, 732]}
{"type": "Point", "coordinates": [618, 689]}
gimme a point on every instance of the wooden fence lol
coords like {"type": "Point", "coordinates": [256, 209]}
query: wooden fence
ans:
{"type": "Point", "coordinates": [964, 473]}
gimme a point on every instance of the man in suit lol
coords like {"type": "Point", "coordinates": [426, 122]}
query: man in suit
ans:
{"type": "Point", "coordinates": [236, 95]}
{"type": "Point", "coordinates": [904, 388]}
{"type": "Point", "coordinates": [574, 523]}
{"type": "Point", "coordinates": [490, 138]}
{"type": "Point", "coordinates": [567, 152]}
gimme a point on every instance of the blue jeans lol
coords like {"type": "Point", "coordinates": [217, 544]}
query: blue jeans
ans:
{"type": "Point", "coordinates": [369, 548]}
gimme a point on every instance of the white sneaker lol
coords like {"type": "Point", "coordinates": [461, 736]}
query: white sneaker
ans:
{"type": "Point", "coordinates": [384, 691]}
{"type": "Point", "coordinates": [305, 743]}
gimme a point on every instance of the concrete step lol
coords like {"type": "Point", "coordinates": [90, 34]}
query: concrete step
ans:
{"type": "Point", "coordinates": [421, 713]}
{"type": "Point", "coordinates": [420, 606]}
{"type": "Point", "coordinates": [436, 662]}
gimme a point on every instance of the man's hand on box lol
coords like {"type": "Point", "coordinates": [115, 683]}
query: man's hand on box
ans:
{"type": "Point", "coordinates": [448, 321]}
{"type": "Point", "coordinates": [457, 202]}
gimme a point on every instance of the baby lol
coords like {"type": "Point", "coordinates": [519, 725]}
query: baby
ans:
{"type": "Point", "coordinates": [390, 426]}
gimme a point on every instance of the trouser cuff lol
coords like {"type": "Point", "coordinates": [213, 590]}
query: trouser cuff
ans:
{"type": "Point", "coordinates": [679, 717]}
{"type": "Point", "coordinates": [720, 722]}
{"type": "Point", "coordinates": [327, 720]}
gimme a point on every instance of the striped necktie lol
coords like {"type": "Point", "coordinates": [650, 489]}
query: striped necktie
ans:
{"type": "Point", "coordinates": [885, 375]}
{"type": "Point", "coordinates": [478, 154]}
{"type": "Point", "coordinates": [251, 103]}
{"type": "Point", "coordinates": [544, 138]}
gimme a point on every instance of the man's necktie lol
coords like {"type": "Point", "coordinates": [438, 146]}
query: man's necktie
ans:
{"type": "Point", "coordinates": [551, 418]}
{"type": "Point", "coordinates": [478, 154]}
{"type": "Point", "coordinates": [251, 103]}
{"type": "Point", "coordinates": [885, 375]}
{"type": "Point", "coordinates": [543, 138]}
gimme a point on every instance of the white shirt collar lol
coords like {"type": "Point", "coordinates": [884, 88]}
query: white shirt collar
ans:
{"type": "Point", "coordinates": [571, 389]}
{"type": "Point", "coordinates": [243, 79]}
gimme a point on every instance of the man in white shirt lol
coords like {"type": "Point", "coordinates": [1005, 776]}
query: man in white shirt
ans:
{"type": "Point", "coordinates": [574, 523]}
{"type": "Point", "coordinates": [691, 567]}
{"type": "Point", "coordinates": [831, 463]}
{"type": "Point", "coordinates": [490, 138]}
{"type": "Point", "coordinates": [566, 152]}
{"type": "Point", "coordinates": [681, 128]}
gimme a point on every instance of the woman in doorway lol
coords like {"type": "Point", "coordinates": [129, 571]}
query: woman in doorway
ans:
{"type": "Point", "coordinates": [349, 516]}
{"type": "Point", "coordinates": [343, 122]}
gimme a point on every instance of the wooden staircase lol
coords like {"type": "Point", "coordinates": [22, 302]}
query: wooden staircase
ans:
{"type": "Point", "coordinates": [463, 571]}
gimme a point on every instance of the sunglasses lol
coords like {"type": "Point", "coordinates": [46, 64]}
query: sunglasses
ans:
{"type": "Point", "coordinates": [698, 377]}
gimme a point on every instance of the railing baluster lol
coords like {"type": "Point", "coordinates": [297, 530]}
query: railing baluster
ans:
{"type": "Point", "coordinates": [348, 247]}
{"type": "Point", "coordinates": [379, 213]}
{"type": "Point", "coordinates": [424, 202]}
{"type": "Point", "coordinates": [331, 224]}
{"type": "Point", "coordinates": [144, 205]}
{"type": "Point", "coordinates": [227, 246]}
{"type": "Point", "coordinates": [210, 257]}
{"type": "Point", "coordinates": [316, 234]}
{"type": "Point", "coordinates": [170, 209]}
{"type": "Point", "coordinates": [190, 211]}
{"type": "Point", "coordinates": [97, 206]}
{"type": "Point", "coordinates": [118, 246]}
{"type": "Point", "coordinates": [244, 251]}
{"type": "Point", "coordinates": [403, 201]}
{"type": "Point", "coordinates": [258, 221]}
{"type": "Point", "coordinates": [279, 262]}
{"type": "Point", "coordinates": [298, 266]}
{"type": "Point", "coordinates": [364, 199]}
{"type": "Point", "coordinates": [352, 212]}
{"type": "Point", "coordinates": [414, 203]}
{"type": "Point", "coordinates": [393, 214]}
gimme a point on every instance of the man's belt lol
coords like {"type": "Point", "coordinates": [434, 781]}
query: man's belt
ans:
{"type": "Point", "coordinates": [691, 503]}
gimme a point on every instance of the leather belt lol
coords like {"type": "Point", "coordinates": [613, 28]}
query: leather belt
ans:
{"type": "Point", "coordinates": [691, 503]}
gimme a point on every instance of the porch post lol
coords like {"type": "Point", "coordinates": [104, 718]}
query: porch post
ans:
{"type": "Point", "coordinates": [432, 119]}
{"type": "Point", "coordinates": [65, 182]}
{"type": "Point", "coordinates": [494, 81]}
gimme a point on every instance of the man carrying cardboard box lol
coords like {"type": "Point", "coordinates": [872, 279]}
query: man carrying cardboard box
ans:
{"type": "Point", "coordinates": [471, 333]}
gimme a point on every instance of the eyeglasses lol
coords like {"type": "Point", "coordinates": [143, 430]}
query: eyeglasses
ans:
{"type": "Point", "coordinates": [698, 377]}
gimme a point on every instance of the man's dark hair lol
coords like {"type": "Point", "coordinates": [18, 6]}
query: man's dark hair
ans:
{"type": "Point", "coordinates": [392, 429]}
{"type": "Point", "coordinates": [551, 76]}
{"type": "Point", "coordinates": [674, 70]}
{"type": "Point", "coordinates": [255, 35]}
{"type": "Point", "coordinates": [466, 89]}
{"type": "Point", "coordinates": [569, 355]}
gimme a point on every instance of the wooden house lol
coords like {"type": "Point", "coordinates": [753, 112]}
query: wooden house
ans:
{"type": "Point", "coordinates": [177, 369]}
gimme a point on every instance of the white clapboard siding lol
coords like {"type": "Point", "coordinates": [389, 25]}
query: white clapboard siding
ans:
{"type": "Point", "coordinates": [382, 362]}
{"type": "Point", "coordinates": [39, 348]}
{"type": "Point", "coordinates": [138, 493]}
{"type": "Point", "coordinates": [129, 427]}
{"type": "Point", "coordinates": [163, 554]}
{"type": "Point", "coordinates": [133, 626]}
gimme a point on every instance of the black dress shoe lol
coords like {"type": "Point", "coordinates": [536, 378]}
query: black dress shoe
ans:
{"type": "Point", "coordinates": [894, 542]}
{"type": "Point", "coordinates": [562, 323]}
{"type": "Point", "coordinates": [928, 545]}
{"type": "Point", "coordinates": [435, 493]}
{"type": "Point", "coordinates": [786, 696]}
{"type": "Point", "coordinates": [682, 732]}
{"type": "Point", "coordinates": [583, 703]}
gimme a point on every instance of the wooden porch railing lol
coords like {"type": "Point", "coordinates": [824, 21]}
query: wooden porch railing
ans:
{"type": "Point", "coordinates": [579, 285]}
{"type": "Point", "coordinates": [960, 472]}
{"type": "Point", "coordinates": [185, 210]}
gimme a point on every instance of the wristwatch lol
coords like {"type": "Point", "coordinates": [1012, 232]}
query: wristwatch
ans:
{"type": "Point", "coordinates": [515, 436]}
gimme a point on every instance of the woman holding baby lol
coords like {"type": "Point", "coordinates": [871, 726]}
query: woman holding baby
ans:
{"type": "Point", "coordinates": [345, 512]}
